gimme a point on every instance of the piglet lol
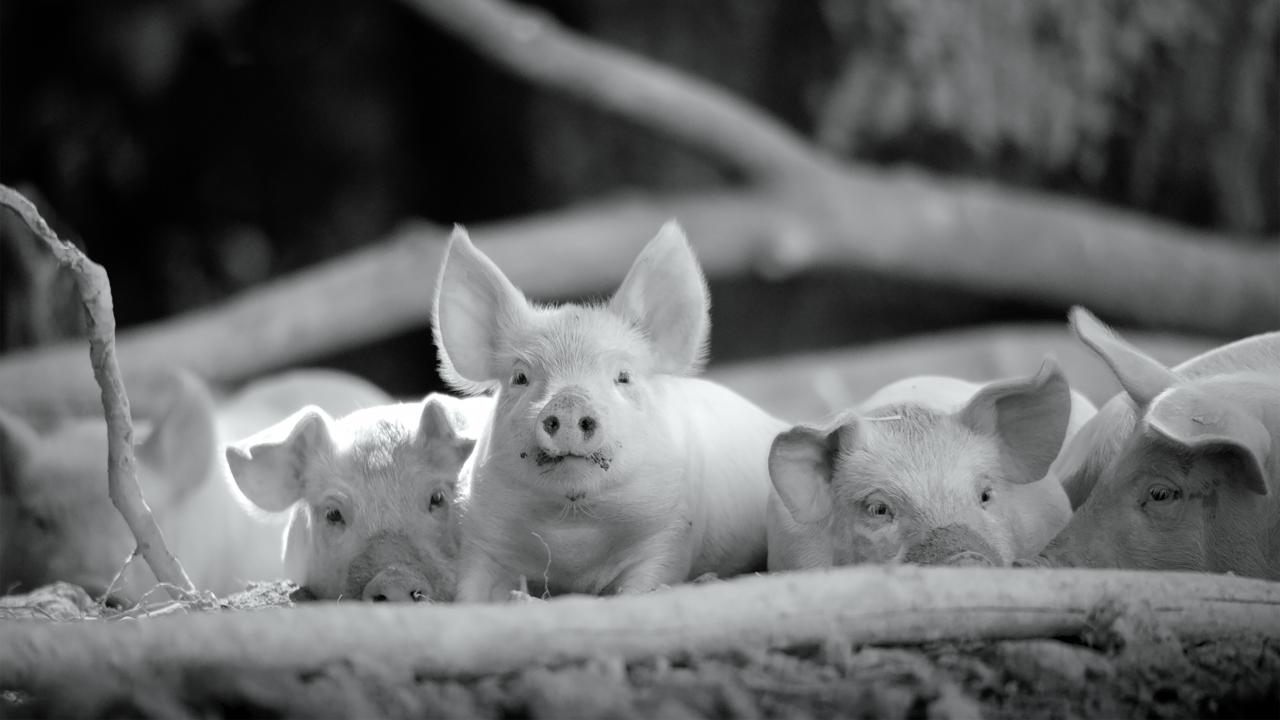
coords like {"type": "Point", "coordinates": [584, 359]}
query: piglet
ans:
{"type": "Point", "coordinates": [372, 497]}
{"type": "Point", "coordinates": [58, 523]}
{"type": "Point", "coordinates": [927, 470]}
{"type": "Point", "coordinates": [605, 468]}
{"type": "Point", "coordinates": [1181, 471]}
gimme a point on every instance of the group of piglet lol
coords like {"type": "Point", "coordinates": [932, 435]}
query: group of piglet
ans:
{"type": "Point", "coordinates": [587, 458]}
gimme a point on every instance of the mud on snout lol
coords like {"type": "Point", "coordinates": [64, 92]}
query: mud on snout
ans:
{"type": "Point", "coordinates": [953, 545]}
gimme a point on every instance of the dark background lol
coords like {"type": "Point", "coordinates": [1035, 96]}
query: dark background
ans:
{"type": "Point", "coordinates": [199, 147]}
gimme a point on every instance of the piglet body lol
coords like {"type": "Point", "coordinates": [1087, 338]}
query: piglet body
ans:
{"type": "Point", "coordinates": [928, 469]}
{"type": "Point", "coordinates": [605, 468]}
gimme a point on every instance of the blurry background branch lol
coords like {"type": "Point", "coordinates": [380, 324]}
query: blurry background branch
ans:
{"type": "Point", "coordinates": [979, 237]}
{"type": "Point", "coordinates": [533, 46]}
{"type": "Point", "coordinates": [95, 294]}
{"type": "Point", "coordinates": [386, 288]}
{"type": "Point", "coordinates": [1028, 82]}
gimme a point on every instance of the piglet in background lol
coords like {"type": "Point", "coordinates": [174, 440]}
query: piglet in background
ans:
{"type": "Point", "coordinates": [58, 522]}
{"type": "Point", "coordinates": [606, 468]}
{"type": "Point", "coordinates": [372, 498]}
{"type": "Point", "coordinates": [927, 470]}
{"type": "Point", "coordinates": [1181, 471]}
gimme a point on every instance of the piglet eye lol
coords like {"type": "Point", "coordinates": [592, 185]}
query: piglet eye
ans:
{"type": "Point", "coordinates": [333, 516]}
{"type": "Point", "coordinates": [1162, 493]}
{"type": "Point", "coordinates": [437, 499]}
{"type": "Point", "coordinates": [985, 497]}
{"type": "Point", "coordinates": [519, 378]}
{"type": "Point", "coordinates": [878, 509]}
{"type": "Point", "coordinates": [624, 378]}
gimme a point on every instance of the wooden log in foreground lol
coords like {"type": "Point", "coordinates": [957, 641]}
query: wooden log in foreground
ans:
{"type": "Point", "coordinates": [864, 605]}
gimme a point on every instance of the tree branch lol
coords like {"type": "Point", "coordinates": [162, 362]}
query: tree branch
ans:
{"type": "Point", "coordinates": [976, 236]}
{"type": "Point", "coordinates": [122, 482]}
{"type": "Point", "coordinates": [380, 290]}
{"type": "Point", "coordinates": [862, 605]}
{"type": "Point", "coordinates": [532, 45]}
{"type": "Point", "coordinates": [808, 386]}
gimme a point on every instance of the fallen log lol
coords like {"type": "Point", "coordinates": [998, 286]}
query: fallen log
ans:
{"type": "Point", "coordinates": [861, 605]}
{"type": "Point", "coordinates": [94, 289]}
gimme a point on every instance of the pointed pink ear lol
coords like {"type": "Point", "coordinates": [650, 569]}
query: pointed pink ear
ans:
{"type": "Point", "coordinates": [475, 307]}
{"type": "Point", "coordinates": [1028, 417]}
{"type": "Point", "coordinates": [1141, 376]}
{"type": "Point", "coordinates": [1198, 423]}
{"type": "Point", "coordinates": [438, 436]}
{"type": "Point", "coordinates": [268, 466]}
{"type": "Point", "coordinates": [801, 463]}
{"type": "Point", "coordinates": [183, 444]}
{"type": "Point", "coordinates": [665, 295]}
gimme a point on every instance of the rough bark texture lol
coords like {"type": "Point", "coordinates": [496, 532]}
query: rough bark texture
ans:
{"type": "Point", "coordinates": [95, 293]}
{"type": "Point", "coordinates": [864, 605]}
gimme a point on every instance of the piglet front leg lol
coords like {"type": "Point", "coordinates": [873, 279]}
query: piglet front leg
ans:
{"type": "Point", "coordinates": [482, 579]}
{"type": "Point", "coordinates": [659, 562]}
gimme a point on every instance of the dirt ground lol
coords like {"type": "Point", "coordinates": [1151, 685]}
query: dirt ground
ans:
{"type": "Point", "coordinates": [1122, 668]}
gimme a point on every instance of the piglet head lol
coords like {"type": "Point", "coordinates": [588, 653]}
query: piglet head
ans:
{"type": "Point", "coordinates": [906, 483]}
{"type": "Point", "coordinates": [1182, 489]}
{"type": "Point", "coordinates": [372, 498]}
{"type": "Point", "coordinates": [576, 404]}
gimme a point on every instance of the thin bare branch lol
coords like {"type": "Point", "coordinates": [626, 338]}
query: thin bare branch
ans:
{"type": "Point", "coordinates": [122, 481]}
{"type": "Point", "coordinates": [532, 45]}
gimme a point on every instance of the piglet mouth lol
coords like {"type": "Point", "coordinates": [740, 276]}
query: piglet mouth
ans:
{"type": "Point", "coordinates": [544, 459]}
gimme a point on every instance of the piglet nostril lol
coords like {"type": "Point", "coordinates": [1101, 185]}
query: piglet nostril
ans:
{"type": "Point", "coordinates": [378, 598]}
{"type": "Point", "coordinates": [588, 426]}
{"type": "Point", "coordinates": [551, 425]}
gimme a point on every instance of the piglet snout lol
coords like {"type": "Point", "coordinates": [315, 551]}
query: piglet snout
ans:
{"type": "Point", "coordinates": [569, 425]}
{"type": "Point", "coordinates": [397, 585]}
{"type": "Point", "coordinates": [952, 545]}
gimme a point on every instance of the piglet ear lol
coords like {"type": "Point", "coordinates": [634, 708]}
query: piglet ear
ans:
{"type": "Point", "coordinates": [1027, 416]}
{"type": "Point", "coordinates": [438, 435]}
{"type": "Point", "coordinates": [268, 466]}
{"type": "Point", "coordinates": [17, 443]}
{"type": "Point", "coordinates": [665, 295]}
{"type": "Point", "coordinates": [1141, 376]}
{"type": "Point", "coordinates": [1199, 424]}
{"type": "Point", "coordinates": [802, 461]}
{"type": "Point", "coordinates": [475, 307]}
{"type": "Point", "coordinates": [182, 446]}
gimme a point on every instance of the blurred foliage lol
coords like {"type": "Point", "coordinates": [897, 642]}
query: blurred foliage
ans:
{"type": "Point", "coordinates": [1168, 105]}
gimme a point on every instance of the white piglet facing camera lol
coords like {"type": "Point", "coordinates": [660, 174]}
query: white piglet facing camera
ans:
{"type": "Point", "coordinates": [608, 467]}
